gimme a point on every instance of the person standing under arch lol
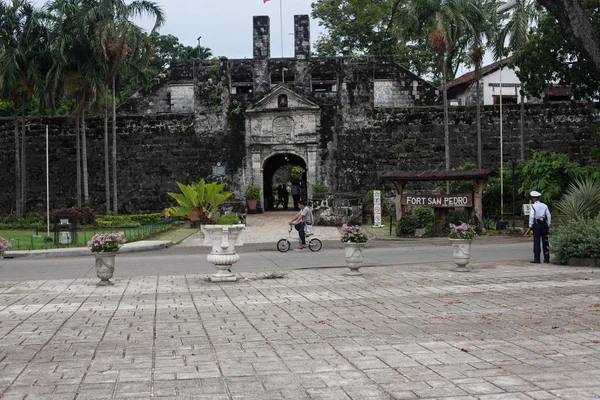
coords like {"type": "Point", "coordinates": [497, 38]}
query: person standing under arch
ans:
{"type": "Point", "coordinates": [296, 191]}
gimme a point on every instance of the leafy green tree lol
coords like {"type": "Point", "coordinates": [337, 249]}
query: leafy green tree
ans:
{"type": "Point", "coordinates": [578, 20]}
{"type": "Point", "coordinates": [23, 41]}
{"type": "Point", "coordinates": [511, 37]}
{"type": "Point", "coordinates": [167, 49]}
{"type": "Point", "coordinates": [76, 70]}
{"type": "Point", "coordinates": [548, 173]}
{"type": "Point", "coordinates": [363, 27]}
{"type": "Point", "coordinates": [119, 39]}
{"type": "Point", "coordinates": [451, 26]}
{"type": "Point", "coordinates": [549, 58]}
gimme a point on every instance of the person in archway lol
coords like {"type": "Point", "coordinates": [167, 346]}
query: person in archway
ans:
{"type": "Point", "coordinates": [282, 196]}
{"type": "Point", "coordinates": [296, 191]}
{"type": "Point", "coordinates": [301, 220]}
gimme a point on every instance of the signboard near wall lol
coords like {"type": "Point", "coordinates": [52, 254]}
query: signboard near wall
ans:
{"type": "Point", "coordinates": [439, 201]}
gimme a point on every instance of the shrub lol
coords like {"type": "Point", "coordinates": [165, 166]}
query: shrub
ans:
{"type": "Point", "coordinates": [146, 219]}
{"type": "Point", "coordinates": [252, 192]}
{"type": "Point", "coordinates": [579, 238]}
{"type": "Point", "coordinates": [71, 213]}
{"type": "Point", "coordinates": [320, 188]}
{"type": "Point", "coordinates": [116, 221]}
{"type": "Point", "coordinates": [582, 199]}
{"type": "Point", "coordinates": [227, 219]}
{"type": "Point", "coordinates": [407, 225]}
{"type": "Point", "coordinates": [87, 216]}
{"type": "Point", "coordinates": [424, 216]}
{"type": "Point", "coordinates": [456, 217]}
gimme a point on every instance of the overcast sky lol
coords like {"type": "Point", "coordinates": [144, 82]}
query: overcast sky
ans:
{"type": "Point", "coordinates": [226, 25]}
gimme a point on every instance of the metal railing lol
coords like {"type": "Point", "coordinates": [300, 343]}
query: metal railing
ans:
{"type": "Point", "coordinates": [81, 238]}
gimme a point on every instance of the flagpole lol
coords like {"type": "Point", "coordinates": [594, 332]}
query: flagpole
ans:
{"type": "Point", "coordinates": [47, 189]}
{"type": "Point", "coordinates": [281, 24]}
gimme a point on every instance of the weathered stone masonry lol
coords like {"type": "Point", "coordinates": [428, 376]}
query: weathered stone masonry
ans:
{"type": "Point", "coordinates": [347, 120]}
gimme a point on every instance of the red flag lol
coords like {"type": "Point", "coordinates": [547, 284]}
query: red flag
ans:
{"type": "Point", "coordinates": [264, 1]}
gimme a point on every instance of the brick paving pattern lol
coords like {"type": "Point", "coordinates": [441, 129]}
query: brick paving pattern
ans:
{"type": "Point", "coordinates": [501, 331]}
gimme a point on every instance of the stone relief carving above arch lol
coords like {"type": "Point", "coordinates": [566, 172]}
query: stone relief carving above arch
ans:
{"type": "Point", "coordinates": [283, 129]}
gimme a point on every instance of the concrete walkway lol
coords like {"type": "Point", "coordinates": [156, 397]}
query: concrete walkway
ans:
{"type": "Point", "coordinates": [269, 228]}
{"type": "Point", "coordinates": [422, 331]}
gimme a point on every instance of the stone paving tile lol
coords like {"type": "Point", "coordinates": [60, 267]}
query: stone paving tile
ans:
{"type": "Point", "coordinates": [501, 331]}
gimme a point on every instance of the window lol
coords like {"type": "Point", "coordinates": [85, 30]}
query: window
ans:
{"type": "Point", "coordinates": [505, 99]}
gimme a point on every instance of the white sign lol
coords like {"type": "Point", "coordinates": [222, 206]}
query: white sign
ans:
{"type": "Point", "coordinates": [377, 209]}
{"type": "Point", "coordinates": [526, 208]}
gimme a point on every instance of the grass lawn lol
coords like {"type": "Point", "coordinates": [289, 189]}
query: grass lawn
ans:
{"type": "Point", "coordinates": [176, 234]}
{"type": "Point", "coordinates": [26, 239]}
{"type": "Point", "coordinates": [379, 232]}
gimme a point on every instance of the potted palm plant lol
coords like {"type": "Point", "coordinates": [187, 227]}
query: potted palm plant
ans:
{"type": "Point", "coordinates": [252, 194]}
{"type": "Point", "coordinates": [197, 201]}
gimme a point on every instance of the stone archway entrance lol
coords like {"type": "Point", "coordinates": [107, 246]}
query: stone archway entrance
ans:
{"type": "Point", "coordinates": [282, 128]}
{"type": "Point", "coordinates": [270, 167]}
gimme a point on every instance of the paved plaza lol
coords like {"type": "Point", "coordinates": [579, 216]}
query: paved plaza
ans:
{"type": "Point", "coordinates": [507, 330]}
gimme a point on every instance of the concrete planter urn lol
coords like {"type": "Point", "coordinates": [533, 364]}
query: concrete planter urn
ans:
{"type": "Point", "coordinates": [223, 239]}
{"type": "Point", "coordinates": [105, 267]}
{"type": "Point", "coordinates": [105, 247]}
{"type": "Point", "coordinates": [461, 249]}
{"type": "Point", "coordinates": [354, 257]}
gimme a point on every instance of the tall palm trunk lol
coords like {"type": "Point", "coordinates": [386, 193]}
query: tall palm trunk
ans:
{"type": "Point", "coordinates": [114, 147]}
{"type": "Point", "coordinates": [446, 127]}
{"type": "Point", "coordinates": [479, 150]}
{"type": "Point", "coordinates": [17, 165]}
{"type": "Point", "coordinates": [521, 125]}
{"type": "Point", "coordinates": [106, 169]}
{"type": "Point", "coordinates": [86, 195]}
{"type": "Point", "coordinates": [78, 157]}
{"type": "Point", "coordinates": [23, 163]}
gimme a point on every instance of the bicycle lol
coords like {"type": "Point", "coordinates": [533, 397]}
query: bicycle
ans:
{"type": "Point", "coordinates": [314, 243]}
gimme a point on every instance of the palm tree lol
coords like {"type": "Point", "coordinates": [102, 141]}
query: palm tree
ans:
{"type": "Point", "coordinates": [22, 41]}
{"type": "Point", "coordinates": [76, 69]}
{"type": "Point", "coordinates": [522, 14]}
{"type": "Point", "coordinates": [451, 26]}
{"type": "Point", "coordinates": [476, 57]}
{"type": "Point", "coordinates": [120, 39]}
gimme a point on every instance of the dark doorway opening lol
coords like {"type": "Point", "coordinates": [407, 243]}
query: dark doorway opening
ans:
{"type": "Point", "coordinates": [284, 168]}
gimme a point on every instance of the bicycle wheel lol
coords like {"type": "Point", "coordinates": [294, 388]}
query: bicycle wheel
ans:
{"type": "Point", "coordinates": [283, 245]}
{"type": "Point", "coordinates": [315, 244]}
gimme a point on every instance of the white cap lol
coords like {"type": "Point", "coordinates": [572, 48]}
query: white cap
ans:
{"type": "Point", "coordinates": [535, 194]}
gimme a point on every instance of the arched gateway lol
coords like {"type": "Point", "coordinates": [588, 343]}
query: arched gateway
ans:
{"type": "Point", "coordinates": [281, 133]}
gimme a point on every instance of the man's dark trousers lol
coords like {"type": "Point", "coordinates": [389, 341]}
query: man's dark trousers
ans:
{"type": "Point", "coordinates": [540, 231]}
{"type": "Point", "coordinates": [300, 228]}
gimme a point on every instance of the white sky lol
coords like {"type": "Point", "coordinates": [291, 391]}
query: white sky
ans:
{"type": "Point", "coordinates": [226, 25]}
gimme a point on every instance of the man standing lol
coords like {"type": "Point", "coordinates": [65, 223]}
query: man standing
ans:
{"type": "Point", "coordinates": [296, 194]}
{"type": "Point", "coordinates": [539, 222]}
{"type": "Point", "coordinates": [303, 218]}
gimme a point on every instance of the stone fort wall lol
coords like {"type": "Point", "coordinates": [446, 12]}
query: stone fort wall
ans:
{"type": "Point", "coordinates": [358, 143]}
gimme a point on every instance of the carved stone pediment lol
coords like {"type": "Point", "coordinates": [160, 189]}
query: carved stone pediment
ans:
{"type": "Point", "coordinates": [282, 98]}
